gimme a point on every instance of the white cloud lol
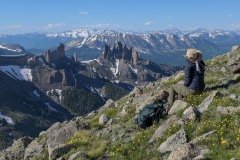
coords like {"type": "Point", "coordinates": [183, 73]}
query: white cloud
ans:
{"type": "Point", "coordinates": [51, 25]}
{"type": "Point", "coordinates": [83, 13]}
{"type": "Point", "coordinates": [149, 23]}
{"type": "Point", "coordinates": [107, 25]}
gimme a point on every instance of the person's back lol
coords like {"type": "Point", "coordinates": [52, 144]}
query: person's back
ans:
{"type": "Point", "coordinates": [193, 78]}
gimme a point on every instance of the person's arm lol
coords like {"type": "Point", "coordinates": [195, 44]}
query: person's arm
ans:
{"type": "Point", "coordinates": [188, 76]}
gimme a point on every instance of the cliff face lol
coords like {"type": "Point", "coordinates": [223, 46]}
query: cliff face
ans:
{"type": "Point", "coordinates": [204, 126]}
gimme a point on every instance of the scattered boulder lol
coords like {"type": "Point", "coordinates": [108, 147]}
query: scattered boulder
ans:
{"type": "Point", "coordinates": [173, 142]}
{"type": "Point", "coordinates": [190, 114]}
{"type": "Point", "coordinates": [59, 150]}
{"type": "Point", "coordinates": [181, 152]}
{"type": "Point", "coordinates": [110, 103]}
{"type": "Point", "coordinates": [235, 48]}
{"type": "Point", "coordinates": [16, 151]}
{"type": "Point", "coordinates": [202, 137]}
{"type": "Point", "coordinates": [136, 92]}
{"type": "Point", "coordinates": [160, 131]}
{"type": "Point", "coordinates": [103, 119]}
{"type": "Point", "coordinates": [177, 106]}
{"type": "Point", "coordinates": [124, 110]}
{"type": "Point", "coordinates": [206, 102]}
{"type": "Point", "coordinates": [201, 155]}
{"type": "Point", "coordinates": [77, 155]}
{"type": "Point", "coordinates": [179, 75]}
{"type": "Point", "coordinates": [227, 110]}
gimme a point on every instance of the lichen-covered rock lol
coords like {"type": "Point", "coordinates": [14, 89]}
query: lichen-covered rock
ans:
{"type": "Point", "coordinates": [173, 141]}
{"type": "Point", "coordinates": [16, 151]}
{"type": "Point", "coordinates": [160, 131]}
{"type": "Point", "coordinates": [177, 106]}
{"type": "Point", "coordinates": [182, 152]}
{"type": "Point", "coordinates": [110, 103]}
{"type": "Point", "coordinates": [77, 155]}
{"type": "Point", "coordinates": [103, 119]}
{"type": "Point", "coordinates": [227, 110]}
{"type": "Point", "coordinates": [56, 138]}
{"type": "Point", "coordinates": [136, 92]}
{"type": "Point", "coordinates": [206, 102]}
{"type": "Point", "coordinates": [202, 137]}
{"type": "Point", "coordinates": [34, 149]}
{"type": "Point", "coordinates": [190, 114]}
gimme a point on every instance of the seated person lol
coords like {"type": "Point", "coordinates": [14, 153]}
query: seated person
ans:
{"type": "Point", "coordinates": [194, 77]}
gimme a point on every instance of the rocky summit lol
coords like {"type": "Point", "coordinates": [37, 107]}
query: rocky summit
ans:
{"type": "Point", "coordinates": [204, 126]}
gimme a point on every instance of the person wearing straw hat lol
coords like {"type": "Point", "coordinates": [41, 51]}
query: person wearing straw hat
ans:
{"type": "Point", "coordinates": [194, 77]}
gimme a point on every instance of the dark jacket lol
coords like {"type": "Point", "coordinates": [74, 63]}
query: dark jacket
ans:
{"type": "Point", "coordinates": [194, 79]}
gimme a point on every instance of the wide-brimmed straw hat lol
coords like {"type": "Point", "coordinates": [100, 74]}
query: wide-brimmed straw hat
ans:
{"type": "Point", "coordinates": [193, 54]}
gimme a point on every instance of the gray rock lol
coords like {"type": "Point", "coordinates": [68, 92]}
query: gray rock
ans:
{"type": "Point", "coordinates": [235, 48]}
{"type": "Point", "coordinates": [200, 157]}
{"type": "Point", "coordinates": [16, 151]}
{"type": "Point", "coordinates": [34, 150]}
{"type": "Point", "coordinates": [59, 150]}
{"type": "Point", "coordinates": [77, 155]}
{"type": "Point", "coordinates": [182, 152]}
{"type": "Point", "coordinates": [136, 92]}
{"type": "Point", "coordinates": [236, 77]}
{"type": "Point", "coordinates": [57, 138]}
{"type": "Point", "coordinates": [206, 102]}
{"type": "Point", "coordinates": [190, 114]}
{"type": "Point", "coordinates": [173, 142]}
{"type": "Point", "coordinates": [150, 85]}
{"type": "Point", "coordinates": [204, 151]}
{"type": "Point", "coordinates": [124, 110]}
{"type": "Point", "coordinates": [201, 138]}
{"type": "Point", "coordinates": [160, 131]}
{"type": "Point", "coordinates": [177, 106]}
{"type": "Point", "coordinates": [233, 96]}
{"type": "Point", "coordinates": [223, 69]}
{"type": "Point", "coordinates": [179, 75]}
{"type": "Point", "coordinates": [109, 103]}
{"type": "Point", "coordinates": [103, 119]}
{"type": "Point", "coordinates": [227, 110]}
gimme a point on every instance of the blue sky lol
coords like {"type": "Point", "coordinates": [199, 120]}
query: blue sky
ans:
{"type": "Point", "coordinates": [23, 16]}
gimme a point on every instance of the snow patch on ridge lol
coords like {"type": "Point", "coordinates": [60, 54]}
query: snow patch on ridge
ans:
{"type": "Point", "coordinates": [16, 72]}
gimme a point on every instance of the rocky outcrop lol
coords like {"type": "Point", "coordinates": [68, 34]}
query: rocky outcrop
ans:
{"type": "Point", "coordinates": [57, 137]}
{"type": "Point", "coordinates": [16, 151]}
{"type": "Point", "coordinates": [56, 55]}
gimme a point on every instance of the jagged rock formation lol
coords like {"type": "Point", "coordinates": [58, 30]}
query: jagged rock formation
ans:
{"type": "Point", "coordinates": [121, 52]}
{"type": "Point", "coordinates": [124, 65]}
{"type": "Point", "coordinates": [55, 56]}
{"type": "Point", "coordinates": [181, 136]}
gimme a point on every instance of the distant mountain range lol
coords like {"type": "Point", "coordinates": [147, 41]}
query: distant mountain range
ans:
{"type": "Point", "coordinates": [160, 46]}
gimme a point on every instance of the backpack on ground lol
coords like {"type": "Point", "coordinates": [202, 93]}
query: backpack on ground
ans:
{"type": "Point", "coordinates": [150, 115]}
